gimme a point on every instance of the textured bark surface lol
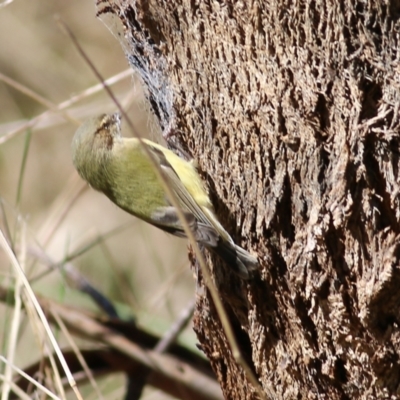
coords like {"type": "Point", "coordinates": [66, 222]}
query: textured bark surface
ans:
{"type": "Point", "coordinates": [292, 111]}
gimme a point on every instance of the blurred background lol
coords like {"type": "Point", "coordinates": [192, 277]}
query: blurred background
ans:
{"type": "Point", "coordinates": [47, 211]}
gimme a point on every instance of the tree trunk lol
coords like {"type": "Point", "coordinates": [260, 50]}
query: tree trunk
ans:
{"type": "Point", "coordinates": [291, 109]}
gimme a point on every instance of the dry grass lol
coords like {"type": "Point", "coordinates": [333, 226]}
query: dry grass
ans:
{"type": "Point", "coordinates": [47, 210]}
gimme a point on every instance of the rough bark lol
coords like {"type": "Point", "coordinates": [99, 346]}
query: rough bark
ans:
{"type": "Point", "coordinates": [292, 110]}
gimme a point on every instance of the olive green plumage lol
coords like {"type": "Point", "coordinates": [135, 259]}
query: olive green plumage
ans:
{"type": "Point", "coordinates": [121, 169]}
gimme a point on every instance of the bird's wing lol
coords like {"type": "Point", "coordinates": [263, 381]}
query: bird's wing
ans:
{"type": "Point", "coordinates": [167, 218]}
{"type": "Point", "coordinates": [185, 199]}
{"type": "Point", "coordinates": [206, 232]}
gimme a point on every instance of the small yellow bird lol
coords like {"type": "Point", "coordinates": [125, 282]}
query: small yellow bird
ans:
{"type": "Point", "coordinates": [121, 169]}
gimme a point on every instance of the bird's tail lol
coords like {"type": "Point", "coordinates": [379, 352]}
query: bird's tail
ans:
{"type": "Point", "coordinates": [241, 261]}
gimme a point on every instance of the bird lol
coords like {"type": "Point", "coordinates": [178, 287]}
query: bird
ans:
{"type": "Point", "coordinates": [124, 171]}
